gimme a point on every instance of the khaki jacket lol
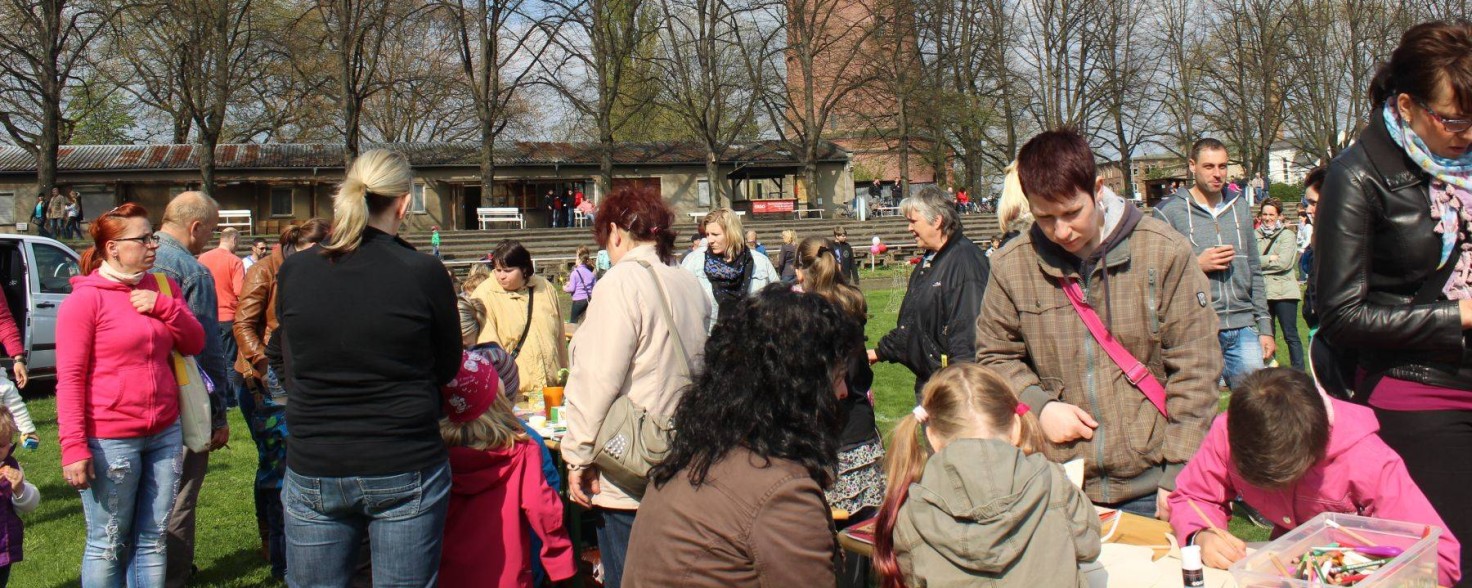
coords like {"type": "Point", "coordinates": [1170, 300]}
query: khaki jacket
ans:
{"type": "Point", "coordinates": [985, 514]}
{"type": "Point", "coordinates": [255, 314]}
{"type": "Point", "coordinates": [1157, 304]}
{"type": "Point", "coordinates": [624, 348]}
{"type": "Point", "coordinates": [545, 350]}
{"type": "Point", "coordinates": [1279, 254]}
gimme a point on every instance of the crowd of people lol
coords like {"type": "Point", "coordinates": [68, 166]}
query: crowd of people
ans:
{"type": "Point", "coordinates": [719, 408]}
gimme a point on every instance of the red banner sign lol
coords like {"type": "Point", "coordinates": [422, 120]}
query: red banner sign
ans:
{"type": "Point", "coordinates": [772, 206]}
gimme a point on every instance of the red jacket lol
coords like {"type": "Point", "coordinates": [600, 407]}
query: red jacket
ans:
{"type": "Point", "coordinates": [114, 378]}
{"type": "Point", "coordinates": [1359, 474]}
{"type": "Point", "coordinates": [494, 495]}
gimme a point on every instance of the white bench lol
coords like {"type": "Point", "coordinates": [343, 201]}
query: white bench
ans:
{"type": "Point", "coordinates": [804, 213]}
{"type": "Point", "coordinates": [240, 219]}
{"type": "Point", "coordinates": [696, 216]}
{"type": "Point", "coordinates": [498, 214]}
{"type": "Point", "coordinates": [887, 210]}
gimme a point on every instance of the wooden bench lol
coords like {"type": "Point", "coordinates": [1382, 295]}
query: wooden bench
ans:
{"type": "Point", "coordinates": [239, 219]}
{"type": "Point", "coordinates": [499, 215]}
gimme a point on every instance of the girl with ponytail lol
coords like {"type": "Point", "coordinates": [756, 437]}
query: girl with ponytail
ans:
{"type": "Point", "coordinates": [860, 485]}
{"type": "Point", "coordinates": [980, 506]}
{"type": "Point", "coordinates": [378, 181]}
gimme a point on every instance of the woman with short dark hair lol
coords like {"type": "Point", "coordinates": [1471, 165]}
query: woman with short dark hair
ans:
{"type": "Point", "coordinates": [738, 499]}
{"type": "Point", "coordinates": [1393, 262]}
{"type": "Point", "coordinates": [523, 316]}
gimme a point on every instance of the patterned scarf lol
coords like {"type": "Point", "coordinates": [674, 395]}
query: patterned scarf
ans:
{"type": "Point", "coordinates": [1451, 200]}
{"type": "Point", "coordinates": [726, 279]}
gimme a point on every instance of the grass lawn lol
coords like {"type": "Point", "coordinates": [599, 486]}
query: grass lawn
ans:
{"type": "Point", "coordinates": [227, 542]}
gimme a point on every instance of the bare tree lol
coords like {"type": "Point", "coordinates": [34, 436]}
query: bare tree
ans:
{"type": "Point", "coordinates": [699, 59]}
{"type": "Point", "coordinates": [1186, 64]}
{"type": "Point", "coordinates": [1061, 52]}
{"type": "Point", "coordinates": [969, 45]}
{"type": "Point", "coordinates": [355, 31]}
{"type": "Point", "coordinates": [1128, 68]}
{"type": "Point", "coordinates": [45, 44]}
{"type": "Point", "coordinates": [1247, 89]}
{"type": "Point", "coordinates": [498, 43]}
{"type": "Point", "coordinates": [593, 62]}
{"type": "Point", "coordinates": [826, 60]}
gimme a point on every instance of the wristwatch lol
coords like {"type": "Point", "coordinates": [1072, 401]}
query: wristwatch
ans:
{"type": "Point", "coordinates": [20, 358]}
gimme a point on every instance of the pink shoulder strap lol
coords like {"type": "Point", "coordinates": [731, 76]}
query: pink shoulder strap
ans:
{"type": "Point", "coordinates": [1134, 371]}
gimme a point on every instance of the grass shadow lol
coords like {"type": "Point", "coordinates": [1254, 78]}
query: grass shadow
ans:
{"type": "Point", "coordinates": [230, 569]}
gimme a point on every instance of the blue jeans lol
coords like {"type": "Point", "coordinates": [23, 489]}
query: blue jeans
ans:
{"type": "Point", "coordinates": [1241, 353]}
{"type": "Point", "coordinates": [613, 543]}
{"type": "Point", "coordinates": [402, 514]}
{"type": "Point", "coordinates": [127, 508]}
{"type": "Point", "coordinates": [230, 388]}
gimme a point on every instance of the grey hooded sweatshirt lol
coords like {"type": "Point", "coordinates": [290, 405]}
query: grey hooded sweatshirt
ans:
{"type": "Point", "coordinates": [1238, 294]}
{"type": "Point", "coordinates": [985, 514]}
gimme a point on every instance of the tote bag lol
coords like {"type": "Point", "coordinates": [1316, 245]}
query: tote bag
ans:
{"type": "Point", "coordinates": [194, 391]}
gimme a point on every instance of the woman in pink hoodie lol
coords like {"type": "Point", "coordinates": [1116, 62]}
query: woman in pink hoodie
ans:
{"type": "Point", "coordinates": [1292, 453]}
{"type": "Point", "coordinates": [117, 401]}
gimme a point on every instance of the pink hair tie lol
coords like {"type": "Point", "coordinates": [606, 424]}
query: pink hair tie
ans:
{"type": "Point", "coordinates": [1023, 408]}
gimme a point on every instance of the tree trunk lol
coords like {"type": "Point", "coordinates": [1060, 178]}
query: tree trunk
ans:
{"type": "Point", "coordinates": [713, 179]}
{"type": "Point", "coordinates": [207, 143]}
{"type": "Point", "coordinates": [487, 170]}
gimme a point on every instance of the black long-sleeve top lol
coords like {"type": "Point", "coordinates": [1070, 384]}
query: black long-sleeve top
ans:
{"type": "Point", "coordinates": [369, 338]}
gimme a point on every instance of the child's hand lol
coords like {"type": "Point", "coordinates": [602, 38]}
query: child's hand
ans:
{"type": "Point", "coordinates": [15, 476]}
{"type": "Point", "coordinates": [30, 436]}
{"type": "Point", "coordinates": [1220, 549]}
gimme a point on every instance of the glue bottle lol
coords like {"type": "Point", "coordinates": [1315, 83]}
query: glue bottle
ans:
{"type": "Point", "coordinates": [1192, 575]}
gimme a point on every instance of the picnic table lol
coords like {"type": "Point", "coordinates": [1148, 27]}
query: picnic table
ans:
{"type": "Point", "coordinates": [1136, 555]}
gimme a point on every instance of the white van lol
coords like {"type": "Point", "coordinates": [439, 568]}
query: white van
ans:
{"type": "Point", "coordinates": [35, 274]}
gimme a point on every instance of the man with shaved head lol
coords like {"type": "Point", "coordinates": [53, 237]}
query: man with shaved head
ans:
{"type": "Point", "coordinates": [189, 223]}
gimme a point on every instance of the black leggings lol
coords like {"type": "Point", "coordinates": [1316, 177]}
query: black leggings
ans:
{"type": "Point", "coordinates": [1435, 445]}
{"type": "Point", "coordinates": [1285, 312]}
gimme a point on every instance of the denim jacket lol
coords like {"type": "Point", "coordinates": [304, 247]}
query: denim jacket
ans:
{"type": "Point", "coordinates": [198, 288]}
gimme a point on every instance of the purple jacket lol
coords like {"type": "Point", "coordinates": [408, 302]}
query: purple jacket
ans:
{"type": "Point", "coordinates": [12, 530]}
{"type": "Point", "coordinates": [1359, 474]}
{"type": "Point", "coordinates": [580, 284]}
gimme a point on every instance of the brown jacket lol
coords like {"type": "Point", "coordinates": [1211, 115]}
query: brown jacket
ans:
{"type": "Point", "coordinates": [255, 314]}
{"type": "Point", "coordinates": [753, 523]}
{"type": "Point", "coordinates": [1157, 303]}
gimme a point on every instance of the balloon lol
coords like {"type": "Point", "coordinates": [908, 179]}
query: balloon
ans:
{"type": "Point", "coordinates": [876, 239]}
{"type": "Point", "coordinates": [876, 249]}
{"type": "Point", "coordinates": [883, 248]}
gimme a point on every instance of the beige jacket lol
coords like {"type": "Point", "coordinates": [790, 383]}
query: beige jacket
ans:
{"type": "Point", "coordinates": [544, 352]}
{"type": "Point", "coordinates": [624, 348]}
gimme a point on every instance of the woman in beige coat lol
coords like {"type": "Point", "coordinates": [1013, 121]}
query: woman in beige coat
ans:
{"type": "Point", "coordinates": [627, 347]}
{"type": "Point", "coordinates": [531, 330]}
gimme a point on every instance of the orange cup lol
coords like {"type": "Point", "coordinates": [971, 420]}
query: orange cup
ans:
{"type": "Point", "coordinates": [551, 397]}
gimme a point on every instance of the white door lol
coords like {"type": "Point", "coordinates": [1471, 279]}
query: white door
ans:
{"type": "Point", "coordinates": [50, 272]}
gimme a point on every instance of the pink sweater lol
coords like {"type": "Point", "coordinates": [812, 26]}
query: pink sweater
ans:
{"type": "Point", "coordinates": [494, 497]}
{"type": "Point", "coordinates": [114, 378]}
{"type": "Point", "coordinates": [1359, 474]}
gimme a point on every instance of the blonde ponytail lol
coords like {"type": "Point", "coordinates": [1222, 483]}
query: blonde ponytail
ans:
{"type": "Point", "coordinates": [374, 182]}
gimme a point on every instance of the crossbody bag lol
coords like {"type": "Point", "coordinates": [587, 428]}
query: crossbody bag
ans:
{"type": "Point", "coordinates": [1136, 372]}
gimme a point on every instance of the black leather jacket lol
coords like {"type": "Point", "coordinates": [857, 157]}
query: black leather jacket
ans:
{"type": "Point", "coordinates": [938, 316]}
{"type": "Point", "coordinates": [1374, 249]}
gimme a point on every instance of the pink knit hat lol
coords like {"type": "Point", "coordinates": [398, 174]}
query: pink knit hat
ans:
{"type": "Point", "coordinates": [473, 389]}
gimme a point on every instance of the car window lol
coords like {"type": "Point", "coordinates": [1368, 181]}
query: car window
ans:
{"type": "Point", "coordinates": [55, 267]}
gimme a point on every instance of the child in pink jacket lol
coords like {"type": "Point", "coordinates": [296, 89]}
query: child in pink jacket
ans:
{"type": "Point", "coordinates": [1292, 453]}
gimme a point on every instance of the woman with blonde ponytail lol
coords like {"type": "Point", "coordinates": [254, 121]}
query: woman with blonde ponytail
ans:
{"type": "Point", "coordinates": [370, 332]}
{"type": "Point", "coordinates": [985, 491]}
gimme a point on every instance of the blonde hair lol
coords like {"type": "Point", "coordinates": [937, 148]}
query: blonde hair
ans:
{"type": "Point", "coordinates": [375, 181]}
{"type": "Point", "coordinates": [494, 430]}
{"type": "Point", "coordinates": [478, 273]}
{"type": "Point", "coordinates": [9, 431]}
{"type": "Point", "coordinates": [789, 236]}
{"type": "Point", "coordinates": [823, 276]}
{"type": "Point", "coordinates": [1013, 212]}
{"type": "Point", "coordinates": [731, 223]}
{"type": "Point", "coordinates": [584, 255]}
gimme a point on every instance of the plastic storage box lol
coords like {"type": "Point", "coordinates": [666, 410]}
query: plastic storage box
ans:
{"type": "Point", "coordinates": [1415, 568]}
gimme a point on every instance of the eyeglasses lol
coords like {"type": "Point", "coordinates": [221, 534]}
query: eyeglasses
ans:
{"type": "Point", "coordinates": [144, 240]}
{"type": "Point", "coordinates": [1452, 125]}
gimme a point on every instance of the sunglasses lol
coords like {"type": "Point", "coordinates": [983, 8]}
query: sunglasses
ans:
{"type": "Point", "coordinates": [1451, 125]}
{"type": "Point", "coordinates": [144, 240]}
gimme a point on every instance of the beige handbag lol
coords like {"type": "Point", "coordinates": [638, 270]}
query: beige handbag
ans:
{"type": "Point", "coordinates": [194, 394]}
{"type": "Point", "coordinates": [632, 440]}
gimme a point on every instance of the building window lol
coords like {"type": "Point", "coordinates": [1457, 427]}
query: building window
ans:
{"type": "Point", "coordinates": [416, 202]}
{"type": "Point", "coordinates": [281, 204]}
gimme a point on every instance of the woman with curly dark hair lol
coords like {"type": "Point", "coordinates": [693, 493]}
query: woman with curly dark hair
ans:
{"type": "Point", "coordinates": [738, 500]}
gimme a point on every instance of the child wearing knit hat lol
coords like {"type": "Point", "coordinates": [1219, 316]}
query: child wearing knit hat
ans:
{"type": "Point", "coordinates": [496, 489]}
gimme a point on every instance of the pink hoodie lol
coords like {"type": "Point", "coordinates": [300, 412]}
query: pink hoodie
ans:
{"type": "Point", "coordinates": [1359, 474]}
{"type": "Point", "coordinates": [114, 378]}
{"type": "Point", "coordinates": [494, 497]}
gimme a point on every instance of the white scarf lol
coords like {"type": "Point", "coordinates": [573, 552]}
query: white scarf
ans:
{"type": "Point", "coordinates": [111, 273]}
